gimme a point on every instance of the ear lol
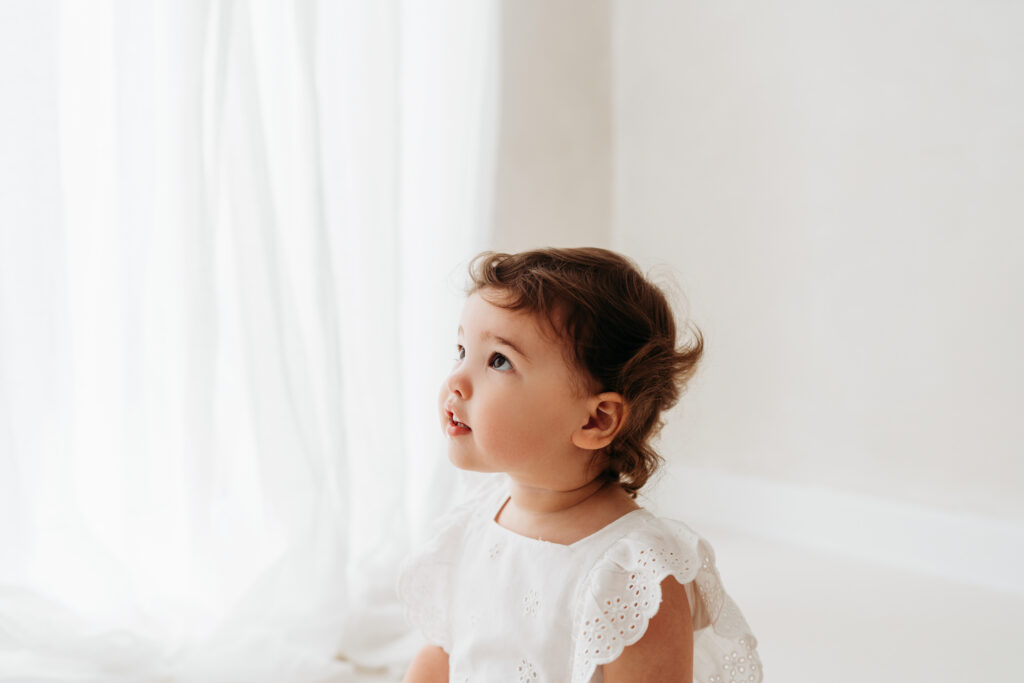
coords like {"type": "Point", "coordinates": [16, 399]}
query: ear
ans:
{"type": "Point", "coordinates": [606, 415]}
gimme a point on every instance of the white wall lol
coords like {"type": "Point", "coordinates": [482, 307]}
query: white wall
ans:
{"type": "Point", "coordinates": [839, 188]}
{"type": "Point", "coordinates": [554, 167]}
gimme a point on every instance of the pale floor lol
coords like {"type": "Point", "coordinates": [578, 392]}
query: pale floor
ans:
{"type": "Point", "coordinates": [824, 617]}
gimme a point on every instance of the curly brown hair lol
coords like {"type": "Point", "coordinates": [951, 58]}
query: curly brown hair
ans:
{"type": "Point", "coordinates": [621, 333]}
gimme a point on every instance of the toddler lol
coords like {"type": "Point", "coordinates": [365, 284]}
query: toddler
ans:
{"type": "Point", "coordinates": [566, 359]}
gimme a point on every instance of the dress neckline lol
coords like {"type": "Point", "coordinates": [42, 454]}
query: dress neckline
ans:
{"type": "Point", "coordinates": [506, 497]}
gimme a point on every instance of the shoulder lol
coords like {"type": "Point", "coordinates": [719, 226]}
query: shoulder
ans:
{"type": "Point", "coordinates": [425, 577]}
{"type": "Point", "coordinates": [448, 530]}
{"type": "Point", "coordinates": [481, 499]}
{"type": "Point", "coordinates": [650, 548]}
{"type": "Point", "coordinates": [655, 567]}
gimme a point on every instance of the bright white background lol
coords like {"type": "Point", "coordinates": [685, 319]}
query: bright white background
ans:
{"type": "Point", "coordinates": [230, 241]}
{"type": "Point", "coordinates": [832, 189]}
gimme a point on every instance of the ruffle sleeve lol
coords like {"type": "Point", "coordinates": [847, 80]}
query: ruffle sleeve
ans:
{"type": "Point", "coordinates": [623, 592]}
{"type": "Point", "coordinates": [425, 578]}
{"type": "Point", "coordinates": [424, 587]}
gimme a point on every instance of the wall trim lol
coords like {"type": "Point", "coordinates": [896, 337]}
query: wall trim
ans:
{"type": "Point", "coordinates": [980, 551]}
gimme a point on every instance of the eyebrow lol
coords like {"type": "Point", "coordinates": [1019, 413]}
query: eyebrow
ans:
{"type": "Point", "coordinates": [501, 340]}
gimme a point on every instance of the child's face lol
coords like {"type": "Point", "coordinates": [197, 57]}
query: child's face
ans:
{"type": "Point", "coordinates": [511, 403]}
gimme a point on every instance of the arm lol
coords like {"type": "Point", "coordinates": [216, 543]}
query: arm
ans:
{"type": "Point", "coordinates": [430, 665]}
{"type": "Point", "coordinates": [665, 652]}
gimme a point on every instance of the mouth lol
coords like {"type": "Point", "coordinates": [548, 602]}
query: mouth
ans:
{"type": "Point", "coordinates": [453, 421]}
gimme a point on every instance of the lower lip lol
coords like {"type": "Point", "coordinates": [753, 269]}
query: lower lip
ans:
{"type": "Point", "coordinates": [456, 430]}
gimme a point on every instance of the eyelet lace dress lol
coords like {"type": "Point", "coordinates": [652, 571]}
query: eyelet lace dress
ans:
{"type": "Point", "coordinates": [506, 607]}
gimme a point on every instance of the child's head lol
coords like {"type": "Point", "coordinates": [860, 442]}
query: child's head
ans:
{"type": "Point", "coordinates": [618, 333]}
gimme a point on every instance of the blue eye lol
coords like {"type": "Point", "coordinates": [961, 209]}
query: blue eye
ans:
{"type": "Point", "coordinates": [499, 362]}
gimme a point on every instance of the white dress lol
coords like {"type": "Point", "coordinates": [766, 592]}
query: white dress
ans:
{"type": "Point", "coordinates": [506, 607]}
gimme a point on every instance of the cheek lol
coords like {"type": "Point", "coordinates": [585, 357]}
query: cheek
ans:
{"type": "Point", "coordinates": [534, 428]}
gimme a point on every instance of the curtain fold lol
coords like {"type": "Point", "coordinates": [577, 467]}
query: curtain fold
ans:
{"type": "Point", "coordinates": [219, 355]}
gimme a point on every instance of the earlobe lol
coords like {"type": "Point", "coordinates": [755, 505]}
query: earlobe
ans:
{"type": "Point", "coordinates": [606, 416]}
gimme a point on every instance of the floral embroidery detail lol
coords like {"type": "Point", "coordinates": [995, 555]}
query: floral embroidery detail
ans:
{"type": "Point", "coordinates": [625, 593]}
{"type": "Point", "coordinates": [527, 672]}
{"type": "Point", "coordinates": [618, 624]}
{"type": "Point", "coordinates": [710, 585]}
{"type": "Point", "coordinates": [742, 668]}
{"type": "Point", "coordinates": [494, 551]}
{"type": "Point", "coordinates": [531, 601]}
{"type": "Point", "coordinates": [419, 585]}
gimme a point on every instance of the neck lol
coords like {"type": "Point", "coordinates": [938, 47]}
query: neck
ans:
{"type": "Point", "coordinates": [563, 515]}
{"type": "Point", "coordinates": [540, 502]}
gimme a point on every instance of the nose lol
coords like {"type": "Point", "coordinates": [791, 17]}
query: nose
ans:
{"type": "Point", "coordinates": [458, 384]}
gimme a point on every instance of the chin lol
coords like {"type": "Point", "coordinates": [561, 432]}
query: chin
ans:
{"type": "Point", "coordinates": [459, 461]}
{"type": "Point", "coordinates": [466, 463]}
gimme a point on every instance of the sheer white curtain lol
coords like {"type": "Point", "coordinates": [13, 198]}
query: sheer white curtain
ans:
{"type": "Point", "coordinates": [228, 254]}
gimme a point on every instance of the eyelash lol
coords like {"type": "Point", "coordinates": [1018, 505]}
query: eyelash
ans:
{"type": "Point", "coordinates": [460, 354]}
{"type": "Point", "coordinates": [496, 355]}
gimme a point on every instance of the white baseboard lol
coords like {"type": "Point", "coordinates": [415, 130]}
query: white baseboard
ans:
{"type": "Point", "coordinates": [980, 551]}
